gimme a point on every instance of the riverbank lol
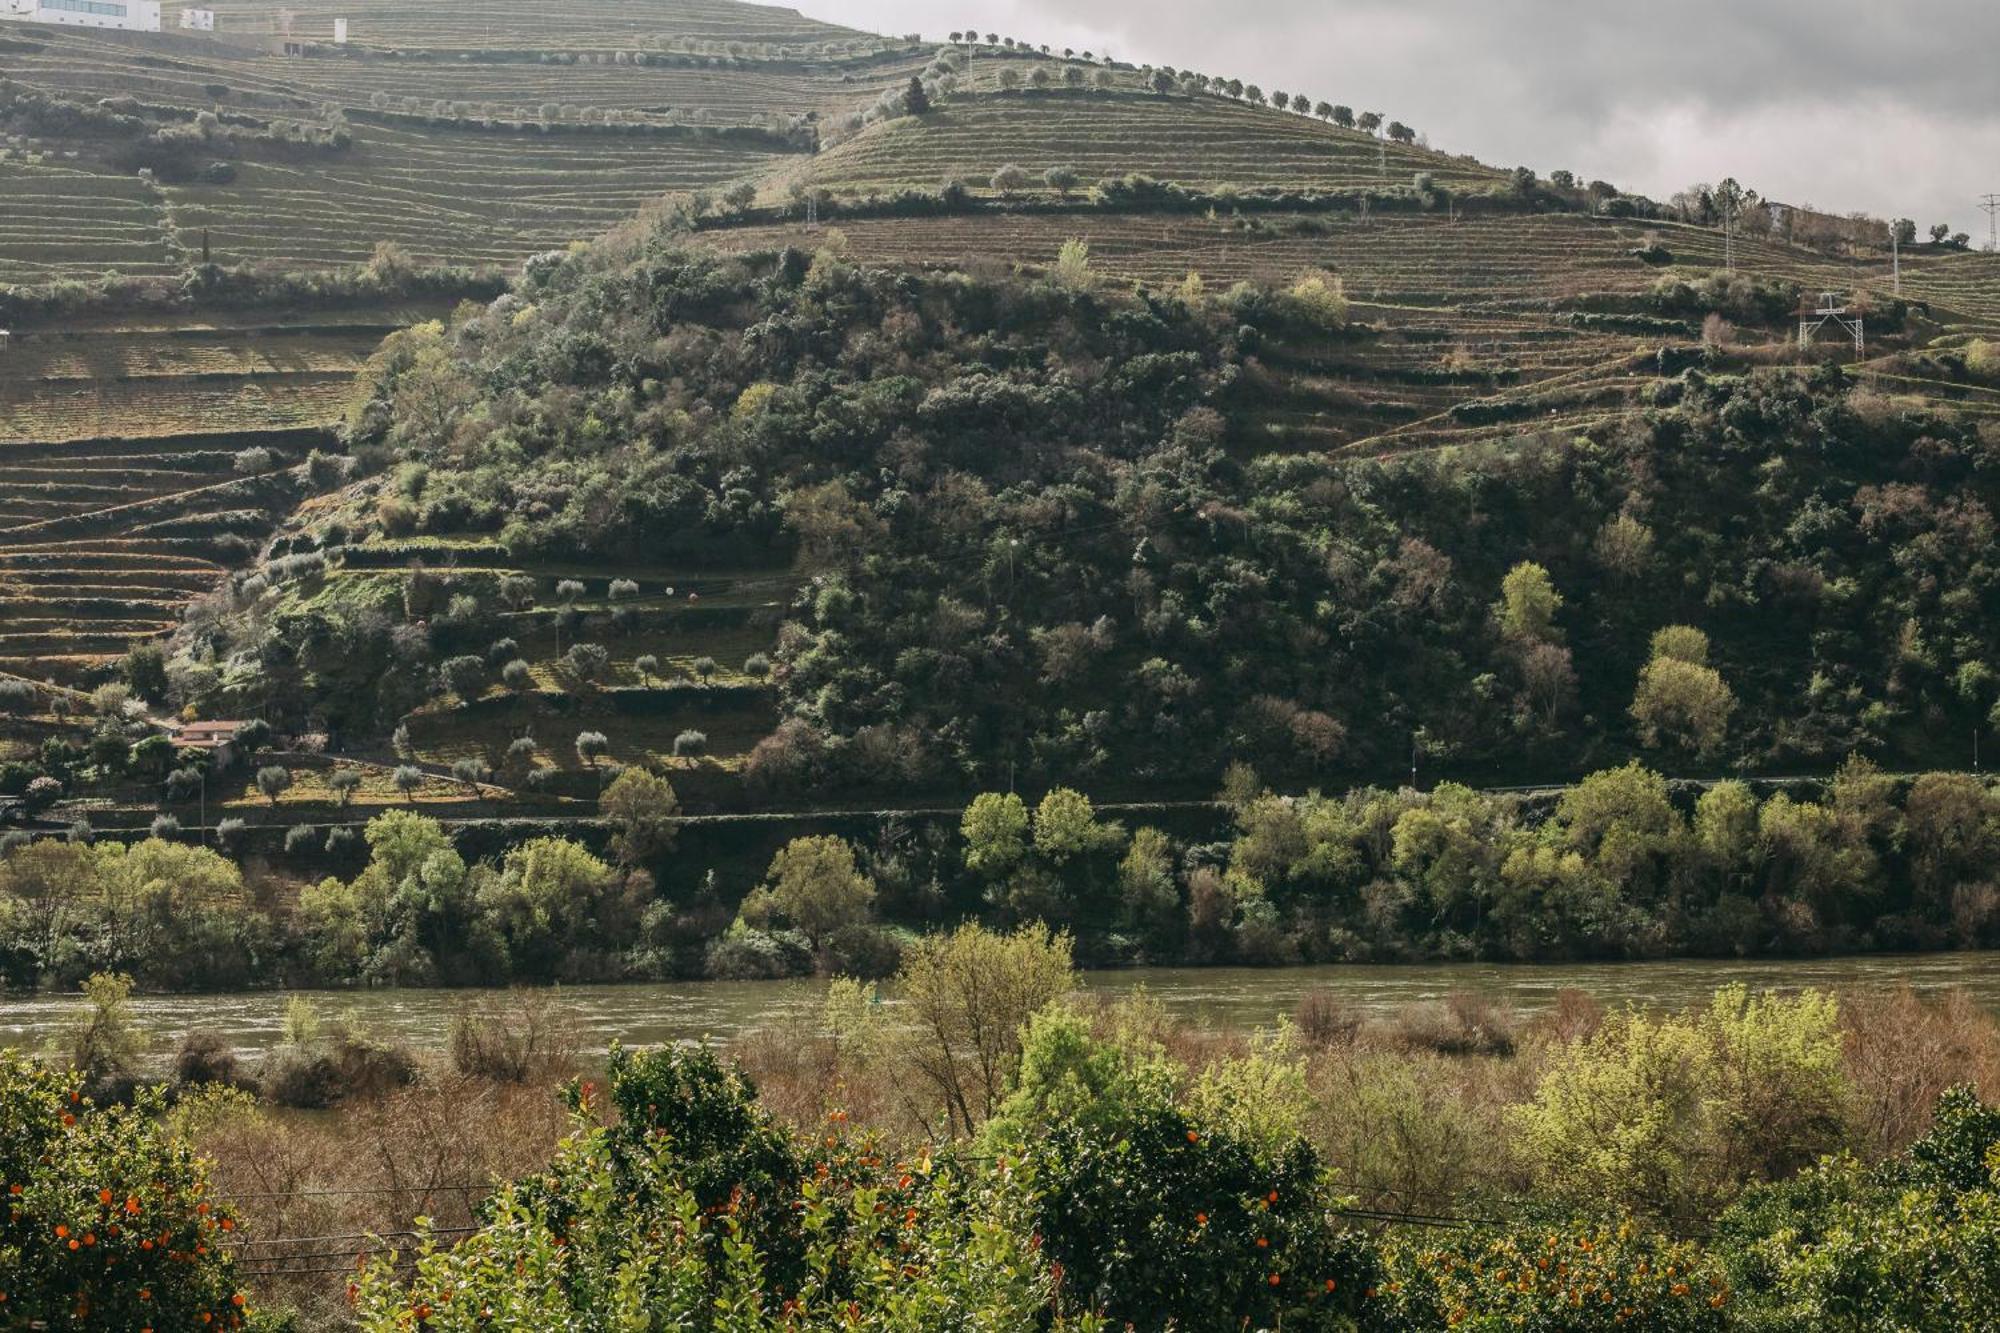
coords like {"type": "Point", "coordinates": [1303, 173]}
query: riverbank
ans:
{"type": "Point", "coordinates": [1223, 999]}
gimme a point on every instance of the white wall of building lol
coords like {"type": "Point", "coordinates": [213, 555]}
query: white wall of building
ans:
{"type": "Point", "coordinates": [125, 15]}
{"type": "Point", "coordinates": [199, 20]}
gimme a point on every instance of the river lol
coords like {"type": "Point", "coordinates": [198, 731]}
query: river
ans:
{"type": "Point", "coordinates": [1227, 997]}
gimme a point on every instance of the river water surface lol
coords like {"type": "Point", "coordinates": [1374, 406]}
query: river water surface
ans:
{"type": "Point", "coordinates": [1223, 997]}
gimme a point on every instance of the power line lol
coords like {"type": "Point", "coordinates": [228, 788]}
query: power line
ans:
{"type": "Point", "coordinates": [335, 1193]}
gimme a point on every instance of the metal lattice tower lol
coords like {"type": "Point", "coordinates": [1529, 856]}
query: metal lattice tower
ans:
{"type": "Point", "coordinates": [1990, 206]}
{"type": "Point", "coordinates": [1831, 311]}
{"type": "Point", "coordinates": [812, 212]}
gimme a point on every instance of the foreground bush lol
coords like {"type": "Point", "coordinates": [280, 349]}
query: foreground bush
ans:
{"type": "Point", "coordinates": [106, 1225]}
{"type": "Point", "coordinates": [1159, 1218]}
{"type": "Point", "coordinates": [1913, 1244]}
{"type": "Point", "coordinates": [693, 1211]}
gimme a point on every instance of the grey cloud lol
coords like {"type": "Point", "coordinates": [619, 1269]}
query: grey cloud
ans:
{"type": "Point", "coordinates": [1848, 104]}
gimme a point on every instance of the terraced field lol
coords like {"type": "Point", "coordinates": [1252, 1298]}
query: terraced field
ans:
{"type": "Point", "coordinates": [176, 70]}
{"type": "Point", "coordinates": [1428, 261]}
{"type": "Point", "coordinates": [1421, 260]}
{"type": "Point", "coordinates": [589, 25]}
{"type": "Point", "coordinates": [62, 220]}
{"type": "Point", "coordinates": [120, 495]}
{"type": "Point", "coordinates": [459, 196]}
{"type": "Point", "coordinates": [1202, 141]}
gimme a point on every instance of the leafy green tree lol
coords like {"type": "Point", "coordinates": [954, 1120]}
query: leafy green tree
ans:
{"type": "Point", "coordinates": [746, 1229]}
{"type": "Point", "coordinates": [1670, 1116]}
{"type": "Point", "coordinates": [408, 777]}
{"type": "Point", "coordinates": [592, 746]}
{"type": "Point", "coordinates": [1528, 603]}
{"type": "Point", "coordinates": [465, 677]}
{"type": "Point", "coordinates": [814, 883]}
{"type": "Point", "coordinates": [1907, 1245]}
{"type": "Point", "coordinates": [1066, 826]}
{"type": "Point", "coordinates": [1073, 265]}
{"type": "Point", "coordinates": [1147, 891]}
{"type": "Point", "coordinates": [1160, 1217]}
{"type": "Point", "coordinates": [1680, 698]}
{"type": "Point", "coordinates": [965, 998]}
{"type": "Point", "coordinates": [551, 901]}
{"type": "Point", "coordinates": [585, 664]}
{"type": "Point", "coordinates": [995, 829]}
{"type": "Point", "coordinates": [344, 782]}
{"type": "Point", "coordinates": [105, 1043]}
{"type": "Point", "coordinates": [644, 813]}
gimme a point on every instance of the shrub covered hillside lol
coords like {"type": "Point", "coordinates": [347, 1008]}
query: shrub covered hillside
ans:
{"type": "Point", "coordinates": [1033, 549]}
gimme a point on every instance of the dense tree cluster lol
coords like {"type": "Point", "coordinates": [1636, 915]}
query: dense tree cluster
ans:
{"type": "Point", "coordinates": [1037, 542]}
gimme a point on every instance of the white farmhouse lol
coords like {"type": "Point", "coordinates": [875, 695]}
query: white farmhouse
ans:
{"type": "Point", "coordinates": [198, 20]}
{"type": "Point", "coordinates": [129, 15]}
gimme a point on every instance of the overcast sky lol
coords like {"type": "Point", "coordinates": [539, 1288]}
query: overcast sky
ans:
{"type": "Point", "coordinates": [1884, 106]}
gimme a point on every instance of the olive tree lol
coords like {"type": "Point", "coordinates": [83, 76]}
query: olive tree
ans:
{"type": "Point", "coordinates": [1010, 179]}
{"type": "Point", "coordinates": [273, 780]}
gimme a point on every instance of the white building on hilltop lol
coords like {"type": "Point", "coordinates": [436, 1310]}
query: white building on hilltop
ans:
{"type": "Point", "coordinates": [129, 15]}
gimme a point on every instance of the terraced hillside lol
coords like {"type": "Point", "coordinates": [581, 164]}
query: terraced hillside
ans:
{"type": "Point", "coordinates": [59, 220]}
{"type": "Point", "coordinates": [461, 196]}
{"type": "Point", "coordinates": [594, 25]}
{"type": "Point", "coordinates": [1202, 141]}
{"type": "Point", "coordinates": [1464, 328]}
{"type": "Point", "coordinates": [142, 457]}
{"type": "Point", "coordinates": [473, 136]}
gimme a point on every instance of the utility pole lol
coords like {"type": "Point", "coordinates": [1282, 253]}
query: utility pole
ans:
{"type": "Point", "coordinates": [1990, 205]}
{"type": "Point", "coordinates": [1896, 253]}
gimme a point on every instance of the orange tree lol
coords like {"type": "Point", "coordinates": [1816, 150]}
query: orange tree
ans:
{"type": "Point", "coordinates": [1563, 1278]}
{"type": "Point", "coordinates": [108, 1224]}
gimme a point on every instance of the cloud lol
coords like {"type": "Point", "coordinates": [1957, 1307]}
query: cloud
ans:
{"type": "Point", "coordinates": [1845, 104]}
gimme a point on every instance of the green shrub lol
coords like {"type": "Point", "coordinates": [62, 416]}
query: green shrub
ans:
{"type": "Point", "coordinates": [1673, 1115]}
{"type": "Point", "coordinates": [741, 1230]}
{"type": "Point", "coordinates": [1908, 1245]}
{"type": "Point", "coordinates": [1158, 1218]}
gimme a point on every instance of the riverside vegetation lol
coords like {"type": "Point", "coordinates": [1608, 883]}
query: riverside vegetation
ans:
{"type": "Point", "coordinates": [1619, 866]}
{"type": "Point", "coordinates": [986, 1148]}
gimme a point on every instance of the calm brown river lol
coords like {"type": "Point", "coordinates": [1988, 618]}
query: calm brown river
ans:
{"type": "Point", "coordinates": [1236, 998]}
